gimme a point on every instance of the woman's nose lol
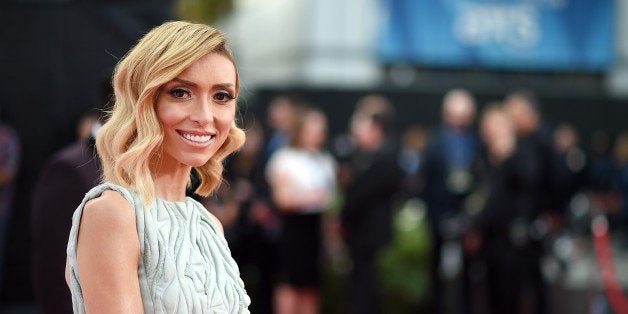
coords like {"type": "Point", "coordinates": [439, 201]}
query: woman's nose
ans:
{"type": "Point", "coordinates": [202, 113]}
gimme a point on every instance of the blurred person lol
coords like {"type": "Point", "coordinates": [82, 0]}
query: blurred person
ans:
{"type": "Point", "coordinates": [411, 158]}
{"type": "Point", "coordinates": [449, 176]}
{"type": "Point", "coordinates": [500, 191]}
{"type": "Point", "coordinates": [372, 177]}
{"type": "Point", "coordinates": [302, 180]}
{"type": "Point", "coordinates": [280, 116]}
{"type": "Point", "coordinates": [264, 214]}
{"type": "Point", "coordinates": [571, 163]}
{"type": "Point", "coordinates": [539, 212]}
{"type": "Point", "coordinates": [143, 245]}
{"type": "Point", "coordinates": [62, 184]}
{"type": "Point", "coordinates": [343, 145]}
{"type": "Point", "coordinates": [497, 134]}
{"type": "Point", "coordinates": [535, 138]}
{"type": "Point", "coordinates": [533, 134]}
{"type": "Point", "coordinates": [10, 154]}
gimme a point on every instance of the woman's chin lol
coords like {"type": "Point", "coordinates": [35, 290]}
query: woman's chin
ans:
{"type": "Point", "coordinates": [198, 163]}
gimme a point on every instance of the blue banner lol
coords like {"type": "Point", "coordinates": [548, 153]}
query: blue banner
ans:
{"type": "Point", "coordinates": [545, 35]}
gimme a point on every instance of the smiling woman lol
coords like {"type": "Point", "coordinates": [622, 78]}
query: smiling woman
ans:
{"type": "Point", "coordinates": [137, 243]}
{"type": "Point", "coordinates": [196, 111]}
{"type": "Point", "coordinates": [133, 133]}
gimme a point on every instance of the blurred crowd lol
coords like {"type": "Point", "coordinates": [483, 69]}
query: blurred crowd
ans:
{"type": "Point", "coordinates": [497, 183]}
{"type": "Point", "coordinates": [307, 212]}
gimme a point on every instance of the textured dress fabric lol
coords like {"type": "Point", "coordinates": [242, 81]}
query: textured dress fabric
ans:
{"type": "Point", "coordinates": [185, 264]}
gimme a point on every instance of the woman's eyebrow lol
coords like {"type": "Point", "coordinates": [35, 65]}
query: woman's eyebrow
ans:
{"type": "Point", "coordinates": [224, 85]}
{"type": "Point", "coordinates": [184, 82]}
{"type": "Point", "coordinates": [192, 84]}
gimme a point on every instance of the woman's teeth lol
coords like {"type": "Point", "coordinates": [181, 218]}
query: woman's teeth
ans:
{"type": "Point", "coordinates": [197, 138]}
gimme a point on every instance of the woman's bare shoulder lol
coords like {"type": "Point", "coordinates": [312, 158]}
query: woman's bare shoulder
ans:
{"type": "Point", "coordinates": [110, 211]}
{"type": "Point", "coordinates": [108, 254]}
{"type": "Point", "coordinates": [217, 222]}
{"type": "Point", "coordinates": [108, 233]}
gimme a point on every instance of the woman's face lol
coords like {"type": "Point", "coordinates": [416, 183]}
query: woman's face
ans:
{"type": "Point", "coordinates": [196, 110]}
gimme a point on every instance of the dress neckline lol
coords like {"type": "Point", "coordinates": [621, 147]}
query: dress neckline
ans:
{"type": "Point", "coordinates": [182, 203]}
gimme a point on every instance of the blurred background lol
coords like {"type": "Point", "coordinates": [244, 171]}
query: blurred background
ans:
{"type": "Point", "coordinates": [57, 57]}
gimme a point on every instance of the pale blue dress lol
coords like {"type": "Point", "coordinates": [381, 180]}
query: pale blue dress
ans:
{"type": "Point", "coordinates": [185, 264]}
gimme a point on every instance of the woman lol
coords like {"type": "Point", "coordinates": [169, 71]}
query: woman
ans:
{"type": "Point", "coordinates": [302, 179]}
{"type": "Point", "coordinates": [144, 246]}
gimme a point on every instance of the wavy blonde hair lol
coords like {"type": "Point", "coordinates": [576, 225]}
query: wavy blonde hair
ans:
{"type": "Point", "coordinates": [133, 135]}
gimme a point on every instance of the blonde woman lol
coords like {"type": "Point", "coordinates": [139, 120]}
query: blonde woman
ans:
{"type": "Point", "coordinates": [137, 243]}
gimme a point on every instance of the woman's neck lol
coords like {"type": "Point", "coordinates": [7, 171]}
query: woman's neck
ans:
{"type": "Point", "coordinates": [170, 185]}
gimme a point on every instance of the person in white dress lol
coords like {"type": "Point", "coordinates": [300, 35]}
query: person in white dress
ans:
{"type": "Point", "coordinates": [302, 180]}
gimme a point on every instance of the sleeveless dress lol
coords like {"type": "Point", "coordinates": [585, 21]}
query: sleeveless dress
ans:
{"type": "Point", "coordinates": [185, 264]}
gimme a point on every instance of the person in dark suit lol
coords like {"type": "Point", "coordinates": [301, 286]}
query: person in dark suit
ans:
{"type": "Point", "coordinates": [449, 177]}
{"type": "Point", "coordinates": [371, 178]}
{"type": "Point", "coordinates": [501, 186]}
{"type": "Point", "coordinates": [62, 184]}
{"type": "Point", "coordinates": [538, 200]}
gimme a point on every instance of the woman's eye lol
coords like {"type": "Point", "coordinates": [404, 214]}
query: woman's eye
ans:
{"type": "Point", "coordinates": [223, 97]}
{"type": "Point", "coordinates": [179, 93]}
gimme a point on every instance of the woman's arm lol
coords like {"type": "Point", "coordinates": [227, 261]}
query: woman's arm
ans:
{"type": "Point", "coordinates": [108, 254]}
